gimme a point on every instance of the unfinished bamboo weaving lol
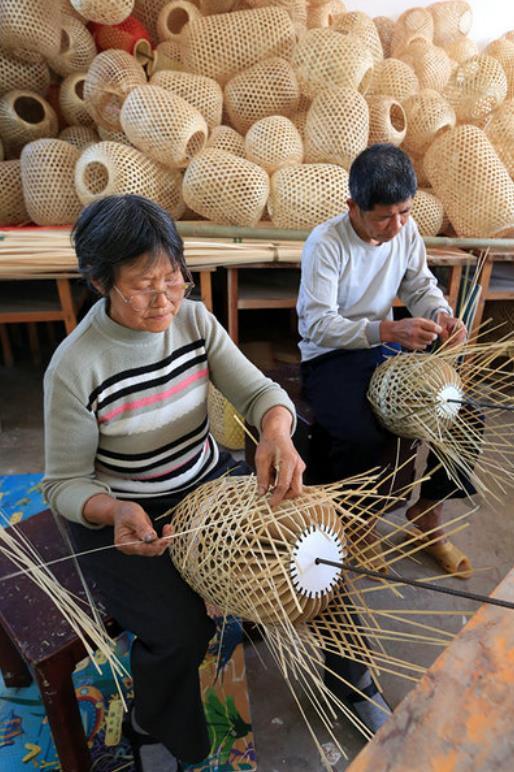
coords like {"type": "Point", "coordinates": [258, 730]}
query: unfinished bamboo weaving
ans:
{"type": "Point", "coordinates": [111, 77]}
{"type": "Point", "coordinates": [71, 101]}
{"type": "Point", "coordinates": [104, 11]}
{"type": "Point", "coordinates": [476, 88]}
{"type": "Point", "coordinates": [25, 116]}
{"type": "Point", "coordinates": [304, 196]}
{"type": "Point", "coordinates": [428, 115]}
{"type": "Point", "coordinates": [337, 127]}
{"type": "Point", "coordinates": [34, 25]}
{"type": "Point", "coordinates": [16, 75]}
{"type": "Point", "coordinates": [173, 18]}
{"type": "Point", "coordinates": [387, 120]}
{"type": "Point", "coordinates": [13, 210]}
{"type": "Point", "coordinates": [225, 422]}
{"type": "Point", "coordinates": [77, 49]}
{"type": "Point", "coordinates": [452, 19]}
{"type": "Point", "coordinates": [499, 129]}
{"type": "Point", "coordinates": [203, 93]}
{"type": "Point", "coordinates": [273, 143]}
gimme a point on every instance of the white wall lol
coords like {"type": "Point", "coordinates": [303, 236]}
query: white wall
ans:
{"type": "Point", "coordinates": [491, 18]}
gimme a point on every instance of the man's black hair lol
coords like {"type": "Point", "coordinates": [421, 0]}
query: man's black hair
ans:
{"type": "Point", "coordinates": [116, 230]}
{"type": "Point", "coordinates": [382, 174]}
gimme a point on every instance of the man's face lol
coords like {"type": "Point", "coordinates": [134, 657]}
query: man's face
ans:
{"type": "Point", "coordinates": [380, 224]}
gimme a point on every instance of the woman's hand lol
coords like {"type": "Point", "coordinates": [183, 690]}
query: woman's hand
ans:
{"type": "Point", "coordinates": [278, 464]}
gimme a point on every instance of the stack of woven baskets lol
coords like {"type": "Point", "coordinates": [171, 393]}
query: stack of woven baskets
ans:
{"type": "Point", "coordinates": [241, 110]}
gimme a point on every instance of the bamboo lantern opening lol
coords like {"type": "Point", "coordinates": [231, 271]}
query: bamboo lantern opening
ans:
{"type": "Point", "coordinates": [29, 109]}
{"type": "Point", "coordinates": [96, 177]}
{"type": "Point", "coordinates": [65, 42]}
{"type": "Point", "coordinates": [174, 17]}
{"type": "Point", "coordinates": [79, 89]}
{"type": "Point", "coordinates": [397, 117]}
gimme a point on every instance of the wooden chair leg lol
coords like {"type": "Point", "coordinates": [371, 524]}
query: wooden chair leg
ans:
{"type": "Point", "coordinates": [34, 343]}
{"type": "Point", "coordinates": [6, 346]}
{"type": "Point", "coordinates": [233, 312]}
{"type": "Point", "coordinates": [14, 670]}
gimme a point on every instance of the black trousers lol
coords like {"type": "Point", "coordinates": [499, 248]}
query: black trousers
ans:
{"type": "Point", "coordinates": [349, 439]}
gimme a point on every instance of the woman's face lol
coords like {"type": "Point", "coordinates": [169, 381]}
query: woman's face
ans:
{"type": "Point", "coordinates": [154, 291]}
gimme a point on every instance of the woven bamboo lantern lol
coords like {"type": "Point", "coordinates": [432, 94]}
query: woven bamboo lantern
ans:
{"type": "Point", "coordinates": [32, 25]}
{"type": "Point", "coordinates": [203, 93]}
{"type": "Point", "coordinates": [274, 142]}
{"type": "Point", "coordinates": [126, 35]}
{"type": "Point", "coordinates": [268, 88]}
{"type": "Point", "coordinates": [428, 115]}
{"type": "Point", "coordinates": [257, 562]}
{"type": "Point", "coordinates": [173, 18]}
{"type": "Point", "coordinates": [66, 7]}
{"type": "Point", "coordinates": [79, 136]}
{"type": "Point", "coordinates": [114, 136]}
{"type": "Point", "coordinates": [394, 78]}
{"type": "Point", "coordinates": [226, 138]}
{"type": "Point", "coordinates": [2, 156]}
{"type": "Point", "coordinates": [71, 100]}
{"type": "Point", "coordinates": [452, 19]}
{"type": "Point", "coordinates": [147, 12]}
{"type": "Point", "coordinates": [20, 76]}
{"type": "Point", "coordinates": [297, 10]}
{"type": "Point", "coordinates": [12, 204]}
{"type": "Point", "coordinates": [47, 173]}
{"type": "Point", "coordinates": [323, 14]}
{"type": "Point", "coordinates": [509, 35]}
{"type": "Point", "coordinates": [474, 186]}
{"type": "Point", "coordinates": [476, 88]}
{"type": "Point", "coordinates": [421, 175]}
{"type": "Point", "coordinates": [225, 188]}
{"type": "Point", "coordinates": [324, 57]}
{"type": "Point", "coordinates": [431, 63]}
{"type": "Point", "coordinates": [462, 49]}
{"type": "Point", "coordinates": [337, 127]}
{"type": "Point", "coordinates": [112, 75]}
{"type": "Point", "coordinates": [361, 25]}
{"type": "Point", "coordinates": [304, 196]}
{"type": "Point", "coordinates": [385, 29]}
{"type": "Point", "coordinates": [503, 51]}
{"type": "Point", "coordinates": [109, 168]}
{"type": "Point", "coordinates": [166, 56]}
{"type": "Point", "coordinates": [387, 120]}
{"type": "Point", "coordinates": [413, 24]}
{"type": "Point", "coordinates": [299, 117]}
{"type": "Point", "coordinates": [428, 213]}
{"type": "Point", "coordinates": [77, 49]}
{"type": "Point", "coordinates": [223, 424]}
{"type": "Point", "coordinates": [104, 11]}
{"type": "Point", "coordinates": [222, 45]}
{"type": "Point", "coordinates": [24, 117]}
{"type": "Point", "coordinates": [499, 129]}
{"type": "Point", "coordinates": [163, 125]}
{"type": "Point", "coordinates": [210, 7]}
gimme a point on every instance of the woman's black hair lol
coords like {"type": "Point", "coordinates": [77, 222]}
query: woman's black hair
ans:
{"type": "Point", "coordinates": [116, 230]}
{"type": "Point", "coordinates": [382, 174]}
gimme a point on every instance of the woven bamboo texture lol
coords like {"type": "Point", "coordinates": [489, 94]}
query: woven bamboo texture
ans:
{"type": "Point", "coordinates": [71, 100]}
{"type": "Point", "coordinates": [413, 24]}
{"type": "Point", "coordinates": [499, 129]}
{"type": "Point", "coordinates": [297, 10]}
{"type": "Point", "coordinates": [66, 7]}
{"type": "Point", "coordinates": [428, 115]}
{"type": "Point", "coordinates": [112, 75]}
{"type": "Point", "coordinates": [274, 142]}
{"type": "Point", "coordinates": [337, 127]}
{"type": "Point", "coordinates": [25, 116]}
{"type": "Point", "coordinates": [209, 7]}
{"type": "Point", "coordinates": [79, 136]}
{"type": "Point", "coordinates": [166, 56]}
{"type": "Point", "coordinates": [452, 19]}
{"type": "Point", "coordinates": [239, 554]}
{"type": "Point", "coordinates": [21, 76]}
{"type": "Point", "coordinates": [109, 168]}
{"type": "Point", "coordinates": [125, 35]}
{"type": "Point", "coordinates": [147, 12]}
{"type": "Point", "coordinates": [173, 18]}
{"type": "Point", "coordinates": [462, 49]}
{"type": "Point", "coordinates": [387, 120]}
{"type": "Point", "coordinates": [268, 88]}
{"type": "Point", "coordinates": [77, 50]}
{"type": "Point", "coordinates": [223, 425]}
{"type": "Point", "coordinates": [474, 186]}
{"type": "Point", "coordinates": [104, 11]}
{"type": "Point", "coordinates": [12, 204]}
{"type": "Point", "coordinates": [299, 117]}
{"type": "Point", "coordinates": [385, 29]}
{"type": "Point", "coordinates": [225, 188]}
{"type": "Point", "coordinates": [222, 45]}
{"type": "Point", "coordinates": [362, 26]}
{"type": "Point", "coordinates": [163, 125]}
{"type": "Point", "coordinates": [306, 195]}
{"type": "Point", "coordinates": [503, 51]}
{"type": "Point", "coordinates": [324, 57]}
{"type": "Point", "coordinates": [323, 15]}
{"type": "Point", "coordinates": [428, 212]}
{"type": "Point", "coordinates": [394, 78]}
{"type": "Point", "coordinates": [114, 136]}
{"type": "Point", "coordinates": [2, 156]}
{"type": "Point", "coordinates": [47, 173]}
{"type": "Point", "coordinates": [431, 63]}
{"type": "Point", "coordinates": [476, 88]}
{"type": "Point", "coordinates": [34, 25]}
{"type": "Point", "coordinates": [421, 175]}
{"type": "Point", "coordinates": [228, 139]}
{"type": "Point", "coordinates": [203, 93]}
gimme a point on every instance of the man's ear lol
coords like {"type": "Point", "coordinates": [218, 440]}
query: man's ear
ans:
{"type": "Point", "coordinates": [98, 287]}
{"type": "Point", "coordinates": [352, 206]}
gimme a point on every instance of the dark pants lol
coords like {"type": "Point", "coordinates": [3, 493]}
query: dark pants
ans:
{"type": "Point", "coordinates": [348, 439]}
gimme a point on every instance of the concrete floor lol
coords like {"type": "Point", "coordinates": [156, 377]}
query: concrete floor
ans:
{"type": "Point", "coordinates": [282, 739]}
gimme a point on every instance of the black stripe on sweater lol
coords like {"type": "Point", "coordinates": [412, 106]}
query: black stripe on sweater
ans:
{"type": "Point", "coordinates": [151, 453]}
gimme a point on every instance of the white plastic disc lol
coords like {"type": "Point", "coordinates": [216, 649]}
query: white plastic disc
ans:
{"type": "Point", "coordinates": [310, 579]}
{"type": "Point", "coordinates": [445, 407]}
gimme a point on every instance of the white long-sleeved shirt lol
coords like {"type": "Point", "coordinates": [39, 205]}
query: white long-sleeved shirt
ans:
{"type": "Point", "coordinates": [348, 286]}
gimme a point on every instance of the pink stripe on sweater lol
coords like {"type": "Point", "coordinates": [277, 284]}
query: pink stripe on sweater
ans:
{"type": "Point", "coordinates": [144, 401]}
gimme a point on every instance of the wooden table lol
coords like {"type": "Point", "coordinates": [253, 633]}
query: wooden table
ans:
{"type": "Point", "coordinates": [488, 290]}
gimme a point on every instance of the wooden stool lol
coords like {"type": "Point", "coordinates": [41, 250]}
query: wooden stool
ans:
{"type": "Point", "coordinates": [33, 633]}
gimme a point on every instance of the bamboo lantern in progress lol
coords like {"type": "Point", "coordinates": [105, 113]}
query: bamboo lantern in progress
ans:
{"type": "Point", "coordinates": [474, 186]}
{"type": "Point", "coordinates": [16, 75]}
{"type": "Point", "coordinates": [71, 100]}
{"type": "Point", "coordinates": [337, 127]}
{"type": "Point", "coordinates": [359, 24]}
{"type": "Point", "coordinates": [77, 49]}
{"type": "Point", "coordinates": [225, 188]}
{"type": "Point", "coordinates": [304, 196]}
{"type": "Point", "coordinates": [323, 56]}
{"type": "Point", "coordinates": [163, 125]}
{"type": "Point", "coordinates": [499, 129]}
{"type": "Point", "coordinates": [173, 18]}
{"type": "Point", "coordinates": [223, 424]}
{"type": "Point", "coordinates": [222, 45]}
{"type": "Point", "coordinates": [413, 24]}
{"type": "Point", "coordinates": [112, 75]}
{"type": "Point", "coordinates": [32, 25]}
{"type": "Point", "coordinates": [268, 88]}
{"type": "Point", "coordinates": [476, 88]}
{"type": "Point", "coordinates": [428, 115]}
{"type": "Point", "coordinates": [428, 213]}
{"type": "Point", "coordinates": [226, 138]}
{"type": "Point", "coordinates": [452, 19]}
{"type": "Point", "coordinates": [387, 120]}
{"type": "Point", "coordinates": [104, 11]}
{"type": "Point", "coordinates": [274, 142]}
{"type": "Point", "coordinates": [431, 64]}
{"type": "Point", "coordinates": [202, 93]}
{"type": "Point", "coordinates": [79, 136]}
{"type": "Point", "coordinates": [24, 117]}
{"type": "Point", "coordinates": [109, 168]}
{"type": "Point", "coordinates": [47, 173]}
{"type": "Point", "coordinates": [462, 49]}
{"type": "Point", "coordinates": [394, 78]}
{"type": "Point", "coordinates": [12, 204]}
{"type": "Point", "coordinates": [385, 29]}
{"type": "Point", "coordinates": [126, 35]}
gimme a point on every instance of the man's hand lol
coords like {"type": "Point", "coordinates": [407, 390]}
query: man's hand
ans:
{"type": "Point", "coordinates": [134, 533]}
{"type": "Point", "coordinates": [414, 334]}
{"type": "Point", "coordinates": [277, 462]}
{"type": "Point", "coordinates": [452, 330]}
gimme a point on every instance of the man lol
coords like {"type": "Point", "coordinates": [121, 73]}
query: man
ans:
{"type": "Point", "coordinates": [353, 267]}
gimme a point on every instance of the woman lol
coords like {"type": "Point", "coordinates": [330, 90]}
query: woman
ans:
{"type": "Point", "coordinates": [127, 437]}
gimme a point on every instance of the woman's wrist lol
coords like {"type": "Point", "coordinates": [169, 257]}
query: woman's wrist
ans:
{"type": "Point", "coordinates": [100, 509]}
{"type": "Point", "coordinates": [276, 420]}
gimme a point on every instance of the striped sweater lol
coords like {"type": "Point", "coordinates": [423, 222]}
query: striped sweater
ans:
{"type": "Point", "coordinates": [126, 410]}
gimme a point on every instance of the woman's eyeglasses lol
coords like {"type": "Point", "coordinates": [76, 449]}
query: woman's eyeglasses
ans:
{"type": "Point", "coordinates": [143, 299]}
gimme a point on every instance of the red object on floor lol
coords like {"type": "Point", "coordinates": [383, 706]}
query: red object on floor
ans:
{"type": "Point", "coordinates": [124, 35]}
